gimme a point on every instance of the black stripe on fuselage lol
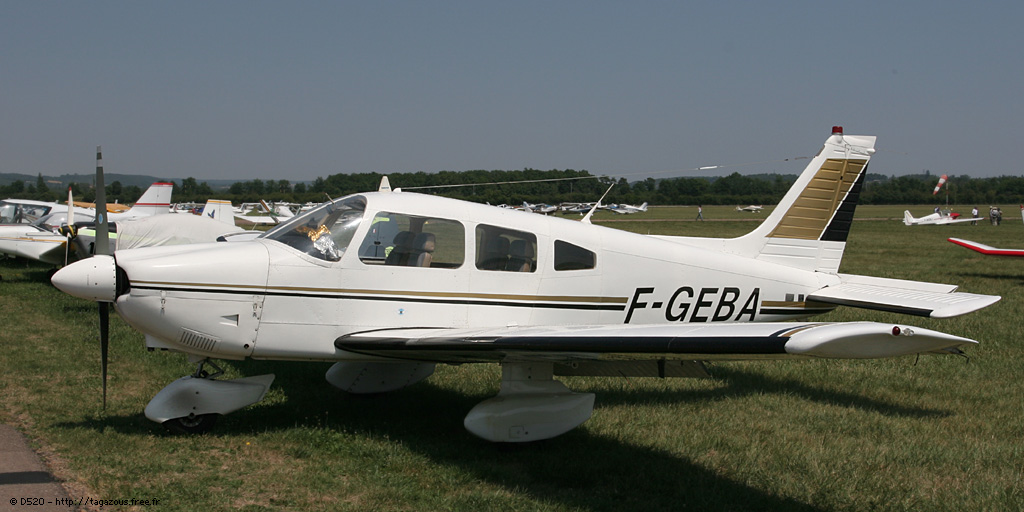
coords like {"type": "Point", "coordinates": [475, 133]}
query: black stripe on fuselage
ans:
{"type": "Point", "coordinates": [461, 302]}
{"type": "Point", "coordinates": [728, 345]}
{"type": "Point", "coordinates": [794, 312]}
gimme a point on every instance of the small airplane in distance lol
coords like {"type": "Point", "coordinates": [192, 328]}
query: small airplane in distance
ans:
{"type": "Point", "coordinates": [986, 249]}
{"type": "Point", "coordinates": [752, 208]}
{"type": "Point", "coordinates": [539, 208]}
{"type": "Point", "coordinates": [580, 208]}
{"type": "Point", "coordinates": [275, 214]}
{"type": "Point", "coordinates": [628, 209]}
{"type": "Point", "coordinates": [388, 284]}
{"type": "Point", "coordinates": [938, 218]}
{"type": "Point", "coordinates": [41, 240]}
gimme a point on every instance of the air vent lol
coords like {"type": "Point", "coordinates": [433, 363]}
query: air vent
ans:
{"type": "Point", "coordinates": [198, 341]}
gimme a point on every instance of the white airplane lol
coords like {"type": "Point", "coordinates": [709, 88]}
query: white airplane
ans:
{"type": "Point", "coordinates": [42, 242]}
{"type": "Point", "coordinates": [275, 214]}
{"type": "Point", "coordinates": [460, 282]}
{"type": "Point", "coordinates": [752, 208]}
{"type": "Point", "coordinates": [627, 209]}
{"type": "Point", "coordinates": [942, 217]}
{"type": "Point", "coordinates": [580, 208]}
{"type": "Point", "coordinates": [539, 208]}
{"type": "Point", "coordinates": [986, 249]}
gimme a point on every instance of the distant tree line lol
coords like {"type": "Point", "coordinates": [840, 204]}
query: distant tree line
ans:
{"type": "Point", "coordinates": [556, 186]}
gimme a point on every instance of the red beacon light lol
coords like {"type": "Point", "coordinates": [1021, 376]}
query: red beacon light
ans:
{"type": "Point", "coordinates": [837, 130]}
{"type": "Point", "coordinates": [895, 330]}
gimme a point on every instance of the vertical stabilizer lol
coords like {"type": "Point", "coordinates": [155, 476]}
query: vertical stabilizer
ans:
{"type": "Point", "coordinates": [156, 200]}
{"type": "Point", "coordinates": [220, 210]}
{"type": "Point", "coordinates": [808, 228]}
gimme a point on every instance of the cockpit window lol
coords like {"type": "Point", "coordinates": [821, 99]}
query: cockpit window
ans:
{"type": "Point", "coordinates": [402, 240]}
{"type": "Point", "coordinates": [17, 213]}
{"type": "Point", "coordinates": [324, 232]}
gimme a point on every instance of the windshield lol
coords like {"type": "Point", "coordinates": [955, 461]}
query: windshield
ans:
{"type": "Point", "coordinates": [16, 213]}
{"type": "Point", "coordinates": [323, 232]}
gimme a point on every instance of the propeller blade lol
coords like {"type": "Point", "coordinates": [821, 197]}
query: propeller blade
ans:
{"type": "Point", "coordinates": [71, 226]}
{"type": "Point", "coordinates": [102, 246]}
{"type": "Point", "coordinates": [104, 344]}
{"type": "Point", "coordinates": [71, 208]}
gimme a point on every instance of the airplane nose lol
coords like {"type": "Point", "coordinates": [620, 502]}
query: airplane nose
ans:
{"type": "Point", "coordinates": [94, 279]}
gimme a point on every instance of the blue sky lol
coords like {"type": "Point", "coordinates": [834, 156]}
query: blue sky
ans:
{"type": "Point", "coordinates": [296, 90]}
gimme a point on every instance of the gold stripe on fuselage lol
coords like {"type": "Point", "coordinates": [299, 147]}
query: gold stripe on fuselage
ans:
{"type": "Point", "coordinates": [405, 293]}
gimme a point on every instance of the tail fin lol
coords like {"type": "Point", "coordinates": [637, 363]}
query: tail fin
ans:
{"type": "Point", "coordinates": [219, 209]}
{"type": "Point", "coordinates": [908, 219]}
{"type": "Point", "coordinates": [808, 228]}
{"type": "Point", "coordinates": [155, 201]}
{"type": "Point", "coordinates": [643, 207]}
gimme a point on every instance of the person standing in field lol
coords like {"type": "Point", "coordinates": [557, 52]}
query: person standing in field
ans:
{"type": "Point", "coordinates": [700, 212]}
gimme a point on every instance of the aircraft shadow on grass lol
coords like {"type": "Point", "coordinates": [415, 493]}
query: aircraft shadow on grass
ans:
{"type": "Point", "coordinates": [741, 383]}
{"type": "Point", "coordinates": [578, 470]}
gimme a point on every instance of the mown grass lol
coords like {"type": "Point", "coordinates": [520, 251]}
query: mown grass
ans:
{"type": "Point", "coordinates": [935, 433]}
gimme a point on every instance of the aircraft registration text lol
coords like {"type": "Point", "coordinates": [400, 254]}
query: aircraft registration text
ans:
{"type": "Point", "coordinates": [687, 304]}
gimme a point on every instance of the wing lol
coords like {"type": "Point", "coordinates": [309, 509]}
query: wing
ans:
{"type": "Point", "coordinates": [256, 219]}
{"type": "Point", "coordinates": [958, 219]}
{"type": "Point", "coordinates": [574, 345]}
{"type": "Point", "coordinates": [901, 296]}
{"type": "Point", "coordinates": [985, 249]}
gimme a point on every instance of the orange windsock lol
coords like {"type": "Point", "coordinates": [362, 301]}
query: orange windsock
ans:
{"type": "Point", "coordinates": [942, 181]}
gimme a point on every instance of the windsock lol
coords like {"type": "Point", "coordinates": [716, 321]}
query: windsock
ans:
{"type": "Point", "coordinates": [942, 181]}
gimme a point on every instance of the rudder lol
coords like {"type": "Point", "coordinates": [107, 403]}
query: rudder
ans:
{"type": "Point", "coordinates": [809, 227]}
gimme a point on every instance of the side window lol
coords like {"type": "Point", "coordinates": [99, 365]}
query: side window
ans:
{"type": "Point", "coordinates": [572, 257]}
{"type": "Point", "coordinates": [403, 240]}
{"type": "Point", "coordinates": [505, 249]}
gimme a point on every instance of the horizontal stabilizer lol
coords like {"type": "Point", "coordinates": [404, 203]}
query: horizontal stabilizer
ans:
{"type": "Point", "coordinates": [899, 296]}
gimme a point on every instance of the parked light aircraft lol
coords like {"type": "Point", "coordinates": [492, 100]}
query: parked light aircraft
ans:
{"type": "Point", "coordinates": [986, 249]}
{"type": "Point", "coordinates": [580, 208]}
{"type": "Point", "coordinates": [275, 214]}
{"type": "Point", "coordinates": [539, 208]}
{"type": "Point", "coordinates": [40, 241]}
{"type": "Point", "coordinates": [941, 217]}
{"type": "Point", "coordinates": [628, 209]}
{"type": "Point", "coordinates": [752, 209]}
{"type": "Point", "coordinates": [388, 284]}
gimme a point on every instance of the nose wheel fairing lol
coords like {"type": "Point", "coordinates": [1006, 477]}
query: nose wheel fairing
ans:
{"type": "Point", "coordinates": [189, 399]}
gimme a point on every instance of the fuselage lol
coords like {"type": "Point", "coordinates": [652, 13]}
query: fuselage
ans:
{"type": "Point", "coordinates": [288, 296]}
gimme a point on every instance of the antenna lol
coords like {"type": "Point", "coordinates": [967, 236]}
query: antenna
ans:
{"type": "Point", "coordinates": [586, 218]}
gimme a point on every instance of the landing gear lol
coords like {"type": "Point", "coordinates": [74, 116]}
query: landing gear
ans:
{"type": "Point", "coordinates": [530, 406]}
{"type": "Point", "coordinates": [191, 424]}
{"type": "Point", "coordinates": [201, 372]}
{"type": "Point", "coordinates": [190, 405]}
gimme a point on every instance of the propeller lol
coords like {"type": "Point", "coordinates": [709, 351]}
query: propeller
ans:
{"type": "Point", "coordinates": [102, 246]}
{"type": "Point", "coordinates": [71, 226]}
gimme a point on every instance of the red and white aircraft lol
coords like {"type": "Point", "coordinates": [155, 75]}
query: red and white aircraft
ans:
{"type": "Point", "coordinates": [388, 284]}
{"type": "Point", "coordinates": [985, 249]}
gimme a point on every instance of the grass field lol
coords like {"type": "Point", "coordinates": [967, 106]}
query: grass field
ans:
{"type": "Point", "coordinates": [935, 433]}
